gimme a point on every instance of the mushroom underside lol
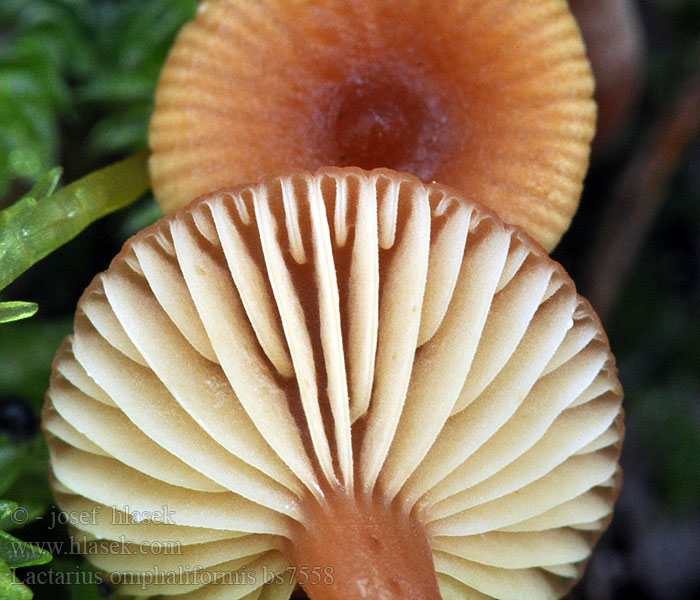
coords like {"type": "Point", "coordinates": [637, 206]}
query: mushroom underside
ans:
{"type": "Point", "coordinates": [284, 378]}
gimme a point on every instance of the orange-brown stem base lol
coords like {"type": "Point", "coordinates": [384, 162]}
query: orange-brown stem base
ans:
{"type": "Point", "coordinates": [361, 548]}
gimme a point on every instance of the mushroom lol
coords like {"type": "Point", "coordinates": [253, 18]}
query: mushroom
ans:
{"type": "Point", "coordinates": [347, 379]}
{"type": "Point", "coordinates": [491, 98]}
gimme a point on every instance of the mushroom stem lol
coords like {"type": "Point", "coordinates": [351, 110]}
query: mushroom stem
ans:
{"type": "Point", "coordinates": [363, 548]}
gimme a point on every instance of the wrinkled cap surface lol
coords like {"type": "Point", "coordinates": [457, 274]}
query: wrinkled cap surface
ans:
{"type": "Point", "coordinates": [343, 333]}
{"type": "Point", "coordinates": [492, 98]}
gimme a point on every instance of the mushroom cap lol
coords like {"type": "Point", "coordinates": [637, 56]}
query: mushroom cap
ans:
{"type": "Point", "coordinates": [342, 333]}
{"type": "Point", "coordinates": [491, 98]}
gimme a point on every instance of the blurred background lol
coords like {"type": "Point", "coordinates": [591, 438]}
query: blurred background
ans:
{"type": "Point", "coordinates": [76, 87]}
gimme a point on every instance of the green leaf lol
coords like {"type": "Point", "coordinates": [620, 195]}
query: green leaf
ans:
{"type": "Point", "coordinates": [34, 227]}
{"type": "Point", "coordinates": [28, 136]}
{"type": "Point", "coordinates": [46, 185]}
{"type": "Point", "coordinates": [26, 351]}
{"type": "Point", "coordinates": [122, 130]}
{"type": "Point", "coordinates": [16, 553]}
{"type": "Point", "coordinates": [10, 587]}
{"type": "Point", "coordinates": [11, 463]}
{"type": "Point", "coordinates": [24, 478]}
{"type": "Point", "coordinates": [16, 311]}
{"type": "Point", "coordinates": [33, 496]}
{"type": "Point", "coordinates": [7, 507]}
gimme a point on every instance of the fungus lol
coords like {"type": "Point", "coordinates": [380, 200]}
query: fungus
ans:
{"type": "Point", "coordinates": [346, 379]}
{"type": "Point", "coordinates": [491, 98]}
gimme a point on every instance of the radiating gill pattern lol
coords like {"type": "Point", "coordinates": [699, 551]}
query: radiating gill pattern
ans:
{"type": "Point", "coordinates": [343, 332]}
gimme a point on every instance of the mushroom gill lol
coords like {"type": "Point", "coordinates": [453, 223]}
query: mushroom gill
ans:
{"type": "Point", "coordinates": [346, 379]}
{"type": "Point", "coordinates": [492, 98]}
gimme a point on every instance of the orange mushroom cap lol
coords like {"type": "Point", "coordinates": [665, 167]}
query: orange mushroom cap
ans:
{"type": "Point", "coordinates": [369, 380]}
{"type": "Point", "coordinates": [492, 98]}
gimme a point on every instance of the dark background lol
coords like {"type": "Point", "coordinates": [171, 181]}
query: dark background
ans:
{"type": "Point", "coordinates": [76, 83]}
